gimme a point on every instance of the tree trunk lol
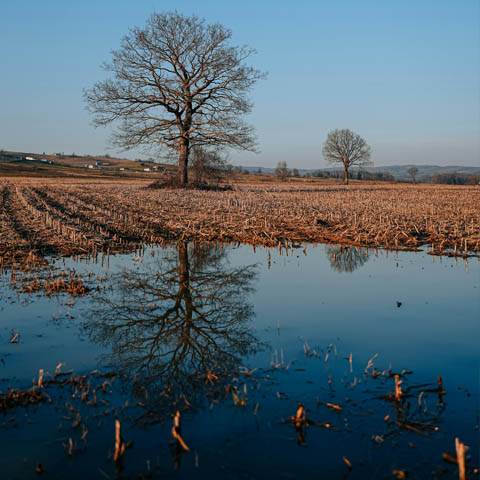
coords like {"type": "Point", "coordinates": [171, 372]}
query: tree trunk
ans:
{"type": "Point", "coordinates": [414, 182]}
{"type": "Point", "coordinates": [183, 162]}
{"type": "Point", "coordinates": [184, 278]}
{"type": "Point", "coordinates": [346, 175]}
{"type": "Point", "coordinates": [184, 267]}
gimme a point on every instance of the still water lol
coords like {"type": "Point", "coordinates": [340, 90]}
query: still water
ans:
{"type": "Point", "coordinates": [235, 339]}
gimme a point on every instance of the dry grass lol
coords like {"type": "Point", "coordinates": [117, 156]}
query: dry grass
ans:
{"type": "Point", "coordinates": [39, 217]}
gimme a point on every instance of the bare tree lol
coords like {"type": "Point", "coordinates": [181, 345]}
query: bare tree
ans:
{"type": "Point", "coordinates": [281, 170]}
{"type": "Point", "coordinates": [174, 321]}
{"type": "Point", "coordinates": [347, 148]}
{"type": "Point", "coordinates": [208, 166]}
{"type": "Point", "coordinates": [412, 171]}
{"type": "Point", "coordinates": [176, 83]}
{"type": "Point", "coordinates": [346, 259]}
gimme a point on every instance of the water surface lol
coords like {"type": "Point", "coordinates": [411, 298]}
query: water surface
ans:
{"type": "Point", "coordinates": [180, 327]}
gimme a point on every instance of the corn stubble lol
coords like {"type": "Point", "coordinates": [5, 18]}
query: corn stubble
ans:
{"type": "Point", "coordinates": [70, 217]}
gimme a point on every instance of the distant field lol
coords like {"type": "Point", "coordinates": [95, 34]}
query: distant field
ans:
{"type": "Point", "coordinates": [71, 216]}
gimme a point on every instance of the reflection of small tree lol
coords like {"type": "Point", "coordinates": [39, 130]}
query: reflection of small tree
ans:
{"type": "Point", "coordinates": [208, 166]}
{"type": "Point", "coordinates": [346, 259]}
{"type": "Point", "coordinates": [281, 171]}
{"type": "Point", "coordinates": [412, 171]}
{"type": "Point", "coordinates": [177, 325]}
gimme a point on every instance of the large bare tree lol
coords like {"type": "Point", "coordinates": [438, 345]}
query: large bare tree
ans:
{"type": "Point", "coordinates": [175, 319]}
{"type": "Point", "coordinates": [176, 83]}
{"type": "Point", "coordinates": [347, 148]}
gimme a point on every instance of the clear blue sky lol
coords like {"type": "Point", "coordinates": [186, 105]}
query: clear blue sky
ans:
{"type": "Point", "coordinates": [405, 75]}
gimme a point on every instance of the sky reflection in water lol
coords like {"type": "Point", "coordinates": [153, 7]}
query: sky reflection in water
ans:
{"type": "Point", "coordinates": [172, 318]}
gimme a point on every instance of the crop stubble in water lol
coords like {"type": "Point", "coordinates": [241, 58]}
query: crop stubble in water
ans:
{"type": "Point", "coordinates": [338, 301]}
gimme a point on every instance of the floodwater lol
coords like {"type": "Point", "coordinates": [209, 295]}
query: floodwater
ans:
{"type": "Point", "coordinates": [235, 339]}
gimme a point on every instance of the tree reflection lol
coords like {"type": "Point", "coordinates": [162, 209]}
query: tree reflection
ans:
{"type": "Point", "coordinates": [346, 259]}
{"type": "Point", "coordinates": [177, 325]}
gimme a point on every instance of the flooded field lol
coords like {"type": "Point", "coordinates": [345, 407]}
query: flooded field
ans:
{"type": "Point", "coordinates": [39, 217]}
{"type": "Point", "coordinates": [328, 362]}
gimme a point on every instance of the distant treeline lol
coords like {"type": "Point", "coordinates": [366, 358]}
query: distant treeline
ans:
{"type": "Point", "coordinates": [454, 179]}
{"type": "Point", "coordinates": [9, 157]}
{"type": "Point", "coordinates": [359, 175]}
{"type": "Point", "coordinates": [451, 178]}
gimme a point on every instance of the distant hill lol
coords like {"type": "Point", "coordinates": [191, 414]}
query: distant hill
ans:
{"type": "Point", "coordinates": [59, 164]}
{"type": "Point", "coordinates": [21, 162]}
{"type": "Point", "coordinates": [74, 161]}
{"type": "Point", "coordinates": [398, 171]}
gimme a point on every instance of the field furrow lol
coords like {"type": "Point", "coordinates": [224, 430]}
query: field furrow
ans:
{"type": "Point", "coordinates": [67, 216]}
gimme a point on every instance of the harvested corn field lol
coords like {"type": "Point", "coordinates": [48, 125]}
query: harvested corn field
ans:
{"type": "Point", "coordinates": [40, 217]}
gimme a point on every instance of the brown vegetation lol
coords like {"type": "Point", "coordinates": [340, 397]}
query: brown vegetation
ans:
{"type": "Point", "coordinates": [49, 284]}
{"type": "Point", "coordinates": [39, 217]}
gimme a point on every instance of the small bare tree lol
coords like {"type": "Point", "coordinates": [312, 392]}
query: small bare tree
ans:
{"type": "Point", "coordinates": [412, 171]}
{"type": "Point", "coordinates": [281, 170]}
{"type": "Point", "coordinates": [176, 83]}
{"type": "Point", "coordinates": [208, 166]}
{"type": "Point", "coordinates": [347, 148]}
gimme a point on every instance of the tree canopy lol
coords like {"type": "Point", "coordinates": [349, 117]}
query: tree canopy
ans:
{"type": "Point", "coordinates": [176, 83]}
